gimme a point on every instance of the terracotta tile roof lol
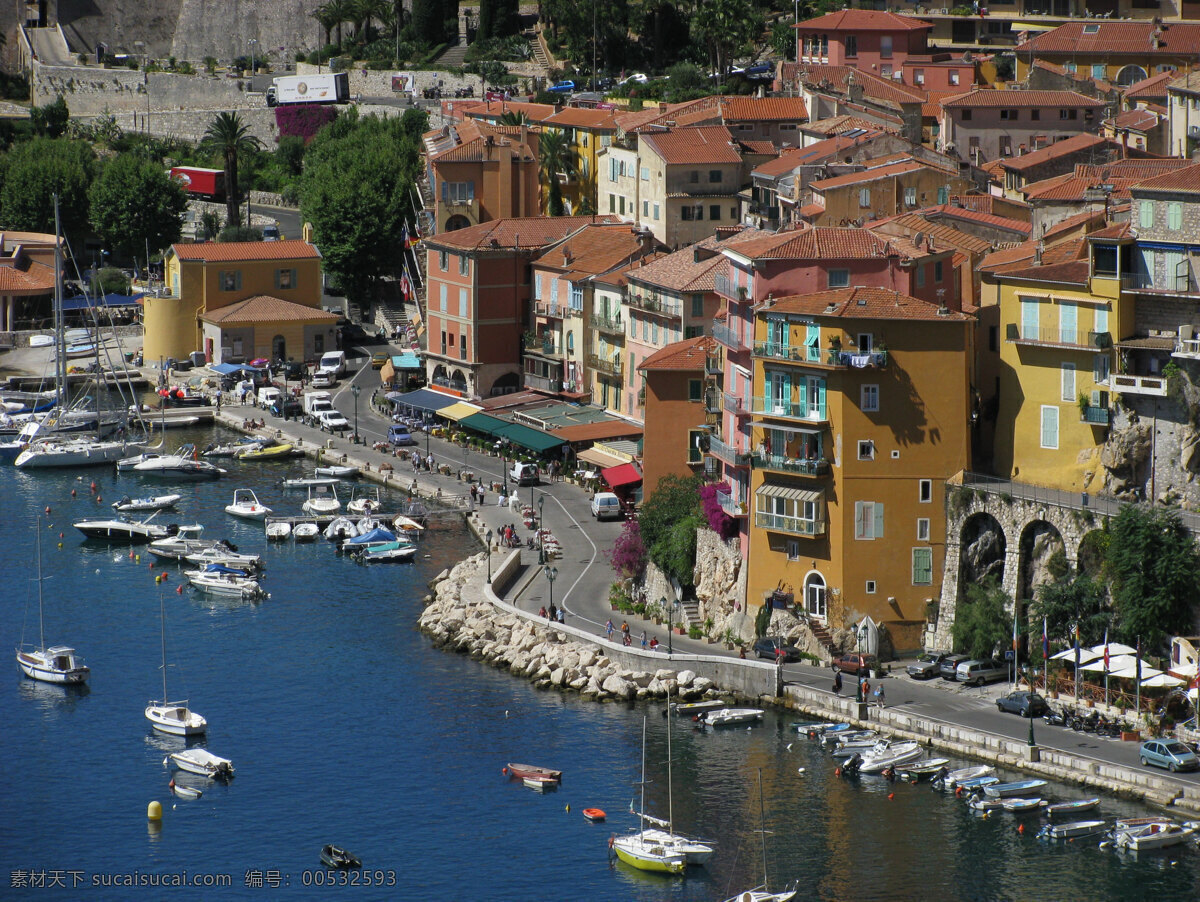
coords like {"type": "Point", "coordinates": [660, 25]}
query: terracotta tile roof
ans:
{"type": "Point", "coordinates": [265, 309]}
{"type": "Point", "coordinates": [809, 210]}
{"type": "Point", "coordinates": [816, 244]}
{"type": "Point", "coordinates": [1182, 180]}
{"type": "Point", "coordinates": [1189, 82]}
{"type": "Point", "coordinates": [1106, 38]}
{"type": "Point", "coordinates": [1137, 168]}
{"type": "Point", "coordinates": [681, 271]}
{"type": "Point", "coordinates": [474, 150]}
{"type": "Point", "coordinates": [863, 20]}
{"type": "Point", "coordinates": [873, 86]}
{"type": "Point", "coordinates": [966, 214]}
{"type": "Point", "coordinates": [989, 97]}
{"type": "Point", "coordinates": [598, 431]}
{"type": "Point", "coordinates": [592, 250]}
{"type": "Point", "coordinates": [1058, 149]}
{"type": "Point", "coordinates": [864, 303]}
{"type": "Point", "coordinates": [581, 117]}
{"type": "Point", "coordinates": [530, 233]}
{"type": "Point", "coordinates": [994, 168]}
{"type": "Point", "coordinates": [1086, 218]}
{"type": "Point", "coordinates": [24, 275]}
{"type": "Point", "coordinates": [213, 252]}
{"type": "Point", "coordinates": [494, 109]}
{"type": "Point", "coordinates": [1119, 230]}
{"type": "Point", "coordinates": [1136, 120]}
{"type": "Point", "coordinates": [1121, 174]}
{"type": "Point", "coordinates": [668, 115]}
{"type": "Point", "coordinates": [942, 235]}
{"type": "Point", "coordinates": [1151, 88]}
{"type": "Point", "coordinates": [868, 175]}
{"type": "Point", "coordinates": [932, 107]}
{"type": "Point", "coordinates": [1074, 272]}
{"type": "Point", "coordinates": [765, 148]}
{"type": "Point", "coordinates": [763, 109]}
{"type": "Point", "coordinates": [619, 277]}
{"type": "Point", "coordinates": [1018, 257]}
{"type": "Point", "coordinates": [817, 152]}
{"type": "Point", "coordinates": [711, 144]}
{"type": "Point", "coordinates": [686, 356]}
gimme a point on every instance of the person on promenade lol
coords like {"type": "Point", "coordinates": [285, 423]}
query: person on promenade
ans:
{"type": "Point", "coordinates": [880, 696]}
{"type": "Point", "coordinates": [562, 615]}
{"type": "Point", "coordinates": [542, 612]}
{"type": "Point", "coordinates": [644, 641]}
{"type": "Point", "coordinates": [553, 612]}
{"type": "Point", "coordinates": [625, 631]}
{"type": "Point", "coordinates": [608, 629]}
{"type": "Point", "coordinates": [654, 643]}
{"type": "Point", "coordinates": [218, 400]}
{"type": "Point", "coordinates": [837, 683]}
{"type": "Point", "coordinates": [866, 690]}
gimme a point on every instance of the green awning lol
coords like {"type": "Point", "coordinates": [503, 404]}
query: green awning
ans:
{"type": "Point", "coordinates": [532, 439]}
{"type": "Point", "coordinates": [485, 423]}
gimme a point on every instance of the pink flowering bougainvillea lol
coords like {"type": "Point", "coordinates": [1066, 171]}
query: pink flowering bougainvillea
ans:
{"type": "Point", "coordinates": [303, 120]}
{"type": "Point", "coordinates": [718, 521]}
{"type": "Point", "coordinates": [628, 555]}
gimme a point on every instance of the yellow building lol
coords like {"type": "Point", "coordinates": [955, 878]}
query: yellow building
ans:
{"type": "Point", "coordinates": [203, 278]}
{"type": "Point", "coordinates": [1058, 322]}
{"type": "Point", "coordinates": [588, 132]}
{"type": "Point", "coordinates": [861, 412]}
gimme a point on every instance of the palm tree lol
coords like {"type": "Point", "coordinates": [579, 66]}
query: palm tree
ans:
{"type": "Point", "coordinates": [323, 15]}
{"type": "Point", "coordinates": [513, 117]}
{"type": "Point", "coordinates": [229, 136]}
{"type": "Point", "coordinates": [555, 156]}
{"type": "Point", "coordinates": [341, 12]}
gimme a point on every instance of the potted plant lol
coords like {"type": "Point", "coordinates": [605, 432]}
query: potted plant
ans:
{"type": "Point", "coordinates": [694, 631]}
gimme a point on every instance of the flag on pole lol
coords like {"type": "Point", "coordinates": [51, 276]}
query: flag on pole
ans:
{"type": "Point", "coordinates": [406, 288]}
{"type": "Point", "coordinates": [404, 236]}
{"type": "Point", "coordinates": [1106, 651]}
{"type": "Point", "coordinates": [1076, 637]}
{"type": "Point", "coordinates": [1045, 641]}
{"type": "Point", "coordinates": [416, 229]}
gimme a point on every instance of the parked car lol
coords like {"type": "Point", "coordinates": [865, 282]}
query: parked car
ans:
{"type": "Point", "coordinates": [271, 233]}
{"type": "Point", "coordinates": [524, 474]}
{"type": "Point", "coordinates": [978, 672]}
{"type": "Point", "coordinates": [770, 646]}
{"type": "Point", "coordinates": [562, 87]}
{"type": "Point", "coordinates": [926, 666]}
{"type": "Point", "coordinates": [606, 506]}
{"type": "Point", "coordinates": [948, 669]}
{"type": "Point", "coordinates": [1027, 704]}
{"type": "Point", "coordinates": [398, 434]}
{"type": "Point", "coordinates": [1169, 753]}
{"type": "Point", "coordinates": [854, 663]}
{"type": "Point", "coordinates": [333, 421]}
{"type": "Point", "coordinates": [635, 78]}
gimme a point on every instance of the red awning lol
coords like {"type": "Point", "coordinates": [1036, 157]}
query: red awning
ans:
{"type": "Point", "coordinates": [625, 474]}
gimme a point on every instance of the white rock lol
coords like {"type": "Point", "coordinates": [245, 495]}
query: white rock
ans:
{"type": "Point", "coordinates": [619, 687]}
{"type": "Point", "coordinates": [685, 678]}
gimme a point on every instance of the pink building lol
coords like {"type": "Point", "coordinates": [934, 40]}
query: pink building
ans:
{"type": "Point", "coordinates": [875, 41]}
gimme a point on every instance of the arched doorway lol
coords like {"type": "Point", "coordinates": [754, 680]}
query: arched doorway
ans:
{"type": "Point", "coordinates": [814, 595]}
{"type": "Point", "coordinates": [278, 348]}
{"type": "Point", "coordinates": [1040, 542]}
{"type": "Point", "coordinates": [456, 222]}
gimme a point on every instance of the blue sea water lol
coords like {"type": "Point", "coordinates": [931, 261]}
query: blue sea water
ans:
{"type": "Point", "coordinates": [347, 726]}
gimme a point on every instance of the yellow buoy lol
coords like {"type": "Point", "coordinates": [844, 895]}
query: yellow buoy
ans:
{"type": "Point", "coordinates": [568, 808]}
{"type": "Point", "coordinates": [154, 811]}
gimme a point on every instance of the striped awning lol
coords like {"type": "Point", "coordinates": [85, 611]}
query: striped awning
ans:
{"type": "Point", "coordinates": [599, 458]}
{"type": "Point", "coordinates": [459, 410]}
{"type": "Point", "coordinates": [790, 493]}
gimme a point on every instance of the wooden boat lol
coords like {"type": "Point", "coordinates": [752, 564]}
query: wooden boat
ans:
{"type": "Point", "coordinates": [408, 524]}
{"type": "Point", "coordinates": [1071, 830]}
{"type": "Point", "coordinates": [521, 771]}
{"type": "Point", "coordinates": [1074, 807]}
{"type": "Point", "coordinates": [728, 717]}
{"type": "Point", "coordinates": [305, 532]}
{"type": "Point", "coordinates": [203, 762]}
{"type": "Point", "coordinates": [1019, 788]}
{"type": "Point", "coordinates": [266, 452]}
{"type": "Point", "coordinates": [335, 857]}
{"type": "Point", "coordinates": [279, 530]}
{"type": "Point", "coordinates": [925, 769]}
{"type": "Point", "coordinates": [246, 505]}
{"type": "Point", "coordinates": [595, 815]}
{"type": "Point", "coordinates": [150, 503]}
{"type": "Point", "coordinates": [540, 784]}
{"type": "Point", "coordinates": [185, 792]}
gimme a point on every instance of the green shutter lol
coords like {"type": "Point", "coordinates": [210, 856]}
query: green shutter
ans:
{"type": "Point", "coordinates": [821, 399]}
{"type": "Point", "coordinates": [878, 533]}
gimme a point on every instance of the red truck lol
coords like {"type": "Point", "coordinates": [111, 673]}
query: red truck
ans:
{"type": "Point", "coordinates": [206, 183]}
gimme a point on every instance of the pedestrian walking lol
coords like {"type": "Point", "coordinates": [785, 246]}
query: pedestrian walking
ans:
{"type": "Point", "coordinates": [866, 690]}
{"type": "Point", "coordinates": [625, 631]}
{"type": "Point", "coordinates": [645, 641]}
{"type": "Point", "coordinates": [881, 697]}
{"type": "Point", "coordinates": [837, 683]}
{"type": "Point", "coordinates": [608, 629]}
{"type": "Point", "coordinates": [553, 613]}
{"type": "Point", "coordinates": [562, 615]}
{"type": "Point", "coordinates": [218, 400]}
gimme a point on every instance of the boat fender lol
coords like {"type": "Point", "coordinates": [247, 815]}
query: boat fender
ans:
{"type": "Point", "coordinates": [891, 795]}
{"type": "Point", "coordinates": [568, 808]}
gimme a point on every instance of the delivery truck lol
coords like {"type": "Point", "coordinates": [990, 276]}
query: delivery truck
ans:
{"type": "Point", "coordinates": [206, 183]}
{"type": "Point", "coordinates": [330, 87]}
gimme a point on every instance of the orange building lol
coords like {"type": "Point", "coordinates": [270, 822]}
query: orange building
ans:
{"type": "Point", "coordinates": [479, 172]}
{"type": "Point", "coordinates": [675, 436]}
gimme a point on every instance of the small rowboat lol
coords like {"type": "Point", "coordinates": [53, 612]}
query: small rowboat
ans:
{"type": "Point", "coordinates": [690, 709]}
{"type": "Point", "coordinates": [540, 784]}
{"type": "Point", "coordinates": [305, 532]}
{"type": "Point", "coordinates": [595, 815]}
{"type": "Point", "coordinates": [532, 770]}
{"type": "Point", "coordinates": [279, 530]}
{"type": "Point", "coordinates": [1019, 788]}
{"type": "Point", "coordinates": [924, 769]}
{"type": "Point", "coordinates": [1071, 807]}
{"type": "Point", "coordinates": [334, 857]}
{"type": "Point", "coordinates": [336, 470]}
{"type": "Point", "coordinates": [185, 792]}
{"type": "Point", "coordinates": [1022, 806]}
{"type": "Point", "coordinates": [1071, 830]}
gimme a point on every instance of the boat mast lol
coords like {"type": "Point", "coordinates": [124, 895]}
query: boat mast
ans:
{"type": "Point", "coordinates": [162, 611]}
{"type": "Point", "coordinates": [642, 804]}
{"type": "Point", "coordinates": [60, 341]}
{"type": "Point", "coordinates": [41, 625]}
{"type": "Point", "coordinates": [762, 816]}
{"type": "Point", "coordinates": [670, 783]}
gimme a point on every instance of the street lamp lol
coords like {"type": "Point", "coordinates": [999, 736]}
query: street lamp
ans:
{"type": "Point", "coordinates": [541, 534]}
{"type": "Point", "coordinates": [551, 576]}
{"type": "Point", "coordinates": [862, 641]}
{"type": "Point", "coordinates": [671, 608]}
{"type": "Point", "coordinates": [253, 42]}
{"type": "Point", "coordinates": [354, 390]}
{"type": "Point", "coordinates": [488, 538]}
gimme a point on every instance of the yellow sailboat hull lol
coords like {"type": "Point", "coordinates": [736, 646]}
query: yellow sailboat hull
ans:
{"type": "Point", "coordinates": [268, 453]}
{"type": "Point", "coordinates": [653, 858]}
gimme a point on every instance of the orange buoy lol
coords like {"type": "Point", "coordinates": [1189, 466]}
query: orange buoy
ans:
{"type": "Point", "coordinates": [1021, 828]}
{"type": "Point", "coordinates": [60, 535]}
{"type": "Point", "coordinates": [93, 485]}
{"type": "Point", "coordinates": [179, 590]}
{"type": "Point", "coordinates": [891, 795]}
{"type": "Point", "coordinates": [72, 493]}
{"type": "Point", "coordinates": [504, 770]}
{"type": "Point", "coordinates": [47, 508]}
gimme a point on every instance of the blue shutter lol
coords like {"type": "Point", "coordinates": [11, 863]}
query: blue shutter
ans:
{"type": "Point", "coordinates": [812, 341]}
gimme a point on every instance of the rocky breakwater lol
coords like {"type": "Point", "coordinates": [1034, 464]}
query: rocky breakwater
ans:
{"type": "Point", "coordinates": [459, 616]}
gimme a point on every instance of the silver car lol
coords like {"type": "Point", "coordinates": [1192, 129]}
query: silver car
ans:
{"type": "Point", "coordinates": [926, 666]}
{"type": "Point", "coordinates": [976, 673]}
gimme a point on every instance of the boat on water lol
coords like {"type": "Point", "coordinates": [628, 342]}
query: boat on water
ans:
{"type": "Point", "coordinates": [848, 736]}
{"type": "Point", "coordinates": [166, 716]}
{"type": "Point", "coordinates": [232, 449]}
{"type": "Point", "coordinates": [185, 463]}
{"type": "Point", "coordinates": [337, 471]}
{"type": "Point", "coordinates": [266, 452]}
{"type": "Point", "coordinates": [1023, 806]}
{"type": "Point", "coordinates": [246, 505]}
{"type": "Point", "coordinates": [691, 709]}
{"type": "Point", "coordinates": [225, 555]}
{"type": "Point", "coordinates": [340, 528]}
{"type": "Point", "coordinates": [46, 453]}
{"type": "Point", "coordinates": [925, 769]}
{"type": "Point", "coordinates": [761, 893]}
{"type": "Point", "coordinates": [50, 664]}
{"type": "Point", "coordinates": [1072, 829]}
{"type": "Point", "coordinates": [521, 771]}
{"type": "Point", "coordinates": [864, 746]}
{"type": "Point", "coordinates": [1155, 836]}
{"type": "Point", "coordinates": [728, 717]}
{"type": "Point", "coordinates": [978, 782]}
{"type": "Point", "coordinates": [184, 792]}
{"type": "Point", "coordinates": [231, 582]}
{"type": "Point", "coordinates": [279, 531]}
{"type": "Point", "coordinates": [148, 503]}
{"type": "Point", "coordinates": [390, 553]}
{"type": "Point", "coordinates": [540, 784]}
{"type": "Point", "coordinates": [186, 540]}
{"type": "Point", "coordinates": [126, 464]}
{"type": "Point", "coordinates": [203, 762]}
{"type": "Point", "coordinates": [119, 529]}
{"type": "Point", "coordinates": [408, 524]}
{"type": "Point", "coordinates": [894, 755]}
{"type": "Point", "coordinates": [322, 501]}
{"type": "Point", "coordinates": [1075, 807]}
{"type": "Point", "coordinates": [953, 778]}
{"type": "Point", "coordinates": [979, 802]}
{"type": "Point", "coordinates": [336, 857]}
{"type": "Point", "coordinates": [364, 501]}
{"type": "Point", "coordinates": [306, 482]}
{"type": "Point", "coordinates": [636, 850]}
{"type": "Point", "coordinates": [1018, 788]}
{"type": "Point", "coordinates": [305, 532]}
{"type": "Point", "coordinates": [595, 815]}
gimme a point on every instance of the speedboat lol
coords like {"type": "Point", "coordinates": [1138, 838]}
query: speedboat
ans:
{"type": "Point", "coordinates": [895, 754]}
{"type": "Point", "coordinates": [216, 579]}
{"type": "Point", "coordinates": [336, 857]}
{"type": "Point", "coordinates": [149, 503]}
{"type": "Point", "coordinates": [928, 768]}
{"type": "Point", "coordinates": [305, 482]}
{"type": "Point", "coordinates": [266, 452]}
{"type": "Point", "coordinates": [1022, 806]}
{"type": "Point", "coordinates": [955, 777]}
{"type": "Point", "coordinates": [1071, 830]}
{"type": "Point", "coordinates": [728, 717]}
{"type": "Point", "coordinates": [305, 532]}
{"type": "Point", "coordinates": [363, 502]}
{"type": "Point", "coordinates": [390, 552]}
{"type": "Point", "coordinates": [279, 530]}
{"type": "Point", "coordinates": [117, 529]}
{"type": "Point", "coordinates": [183, 464]}
{"type": "Point", "coordinates": [203, 762]}
{"type": "Point", "coordinates": [246, 505]}
{"type": "Point", "coordinates": [322, 501]}
{"type": "Point", "coordinates": [1155, 836]}
{"type": "Point", "coordinates": [187, 540]}
{"type": "Point", "coordinates": [1019, 788]}
{"type": "Point", "coordinates": [225, 555]}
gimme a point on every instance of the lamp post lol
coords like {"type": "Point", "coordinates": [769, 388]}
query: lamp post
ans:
{"type": "Point", "coordinates": [551, 576]}
{"type": "Point", "coordinates": [504, 468]}
{"type": "Point", "coordinates": [488, 538]}
{"type": "Point", "coordinates": [354, 390]}
{"type": "Point", "coordinates": [862, 640]}
{"type": "Point", "coordinates": [541, 535]}
{"type": "Point", "coordinates": [253, 42]}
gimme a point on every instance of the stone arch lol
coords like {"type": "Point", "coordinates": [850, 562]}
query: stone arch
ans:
{"type": "Point", "coordinates": [984, 549]}
{"type": "Point", "coordinates": [1040, 540]}
{"type": "Point", "coordinates": [1092, 548]}
{"type": "Point", "coordinates": [456, 222]}
{"type": "Point", "coordinates": [506, 384]}
{"type": "Point", "coordinates": [1130, 74]}
{"type": "Point", "coordinates": [439, 372]}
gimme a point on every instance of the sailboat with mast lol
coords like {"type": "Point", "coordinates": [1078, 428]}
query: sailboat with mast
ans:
{"type": "Point", "coordinates": [638, 851]}
{"type": "Point", "coordinates": [761, 893]}
{"type": "Point", "coordinates": [58, 663]}
{"type": "Point", "coordinates": [167, 716]}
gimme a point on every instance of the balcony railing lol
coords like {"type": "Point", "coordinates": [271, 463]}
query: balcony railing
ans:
{"type": "Point", "coordinates": [610, 365]}
{"type": "Point", "coordinates": [544, 349]}
{"type": "Point", "coordinates": [815, 467]}
{"type": "Point", "coordinates": [792, 525]}
{"type": "Point", "coordinates": [726, 453]}
{"type": "Point", "coordinates": [724, 286]}
{"type": "Point", "coordinates": [1145, 282]}
{"type": "Point", "coordinates": [794, 410]}
{"type": "Point", "coordinates": [726, 336]}
{"type": "Point", "coordinates": [732, 507]}
{"type": "Point", "coordinates": [734, 404]}
{"type": "Point", "coordinates": [1054, 335]}
{"type": "Point", "coordinates": [548, 309]}
{"type": "Point", "coordinates": [1094, 415]}
{"type": "Point", "coordinates": [713, 365]}
{"type": "Point", "coordinates": [1150, 386]}
{"type": "Point", "coordinates": [543, 383]}
{"type": "Point", "coordinates": [573, 312]}
{"type": "Point", "coordinates": [613, 325]}
{"type": "Point", "coordinates": [648, 302]}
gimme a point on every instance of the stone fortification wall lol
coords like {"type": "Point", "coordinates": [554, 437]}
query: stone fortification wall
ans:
{"type": "Point", "coordinates": [378, 83]}
{"type": "Point", "coordinates": [92, 91]}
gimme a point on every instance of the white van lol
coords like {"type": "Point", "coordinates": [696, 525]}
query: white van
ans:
{"type": "Point", "coordinates": [333, 360]}
{"type": "Point", "coordinates": [267, 395]}
{"type": "Point", "coordinates": [606, 506]}
{"type": "Point", "coordinates": [524, 474]}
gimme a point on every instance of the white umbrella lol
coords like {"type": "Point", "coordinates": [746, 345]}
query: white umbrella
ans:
{"type": "Point", "coordinates": [1162, 680]}
{"type": "Point", "coordinates": [1115, 663]}
{"type": "Point", "coordinates": [1114, 649]}
{"type": "Point", "coordinates": [1068, 654]}
{"type": "Point", "coordinates": [1130, 672]}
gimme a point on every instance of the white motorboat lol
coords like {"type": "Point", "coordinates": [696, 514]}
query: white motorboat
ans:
{"type": "Point", "coordinates": [1155, 836]}
{"type": "Point", "coordinates": [692, 709]}
{"type": "Point", "coordinates": [232, 449]}
{"type": "Point", "coordinates": [306, 482]}
{"type": "Point", "coordinates": [1019, 788]}
{"type": "Point", "coordinates": [363, 502]}
{"type": "Point", "coordinates": [203, 762]}
{"type": "Point", "coordinates": [366, 525]}
{"type": "Point", "coordinates": [186, 540]}
{"type": "Point", "coordinates": [215, 579]}
{"type": "Point", "coordinates": [1023, 806]}
{"type": "Point", "coordinates": [305, 532]}
{"type": "Point", "coordinates": [896, 754]}
{"type": "Point", "coordinates": [407, 524]}
{"type": "Point", "coordinates": [760, 893]}
{"type": "Point", "coordinates": [166, 716]}
{"type": "Point", "coordinates": [728, 717]}
{"type": "Point", "coordinates": [279, 531]}
{"type": "Point", "coordinates": [246, 505]}
{"type": "Point", "coordinates": [322, 501]}
{"type": "Point", "coordinates": [954, 777]}
{"type": "Point", "coordinates": [1072, 830]}
{"type": "Point", "coordinates": [392, 552]}
{"type": "Point", "coordinates": [224, 555]}
{"type": "Point", "coordinates": [337, 471]}
{"type": "Point", "coordinates": [185, 463]}
{"type": "Point", "coordinates": [126, 464]}
{"type": "Point", "coordinates": [53, 664]}
{"type": "Point", "coordinates": [117, 529]}
{"type": "Point", "coordinates": [341, 528]}
{"type": "Point", "coordinates": [642, 853]}
{"type": "Point", "coordinates": [149, 503]}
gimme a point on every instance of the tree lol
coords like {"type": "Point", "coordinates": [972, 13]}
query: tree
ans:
{"type": "Point", "coordinates": [324, 16]}
{"type": "Point", "coordinates": [339, 12]}
{"type": "Point", "coordinates": [555, 157]}
{"type": "Point", "coordinates": [135, 204]}
{"type": "Point", "coordinates": [669, 519]}
{"type": "Point", "coordinates": [233, 234]}
{"type": "Point", "coordinates": [981, 622]}
{"type": "Point", "coordinates": [1153, 569]}
{"type": "Point", "coordinates": [33, 172]}
{"type": "Point", "coordinates": [498, 19]}
{"type": "Point", "coordinates": [109, 280]}
{"type": "Point", "coordinates": [1063, 603]}
{"type": "Point", "coordinates": [513, 117]}
{"type": "Point", "coordinates": [51, 120]}
{"type": "Point", "coordinates": [687, 82]}
{"type": "Point", "coordinates": [228, 136]}
{"type": "Point", "coordinates": [429, 21]}
{"type": "Point", "coordinates": [724, 27]}
{"type": "Point", "coordinates": [356, 189]}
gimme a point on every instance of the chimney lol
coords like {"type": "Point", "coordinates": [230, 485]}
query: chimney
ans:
{"type": "Point", "coordinates": [566, 252]}
{"type": "Point", "coordinates": [1037, 252]}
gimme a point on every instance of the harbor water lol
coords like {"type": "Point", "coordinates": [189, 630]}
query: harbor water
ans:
{"type": "Point", "coordinates": [346, 726]}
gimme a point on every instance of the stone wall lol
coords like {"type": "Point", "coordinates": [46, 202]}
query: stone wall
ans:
{"type": "Point", "coordinates": [93, 91]}
{"type": "Point", "coordinates": [378, 83]}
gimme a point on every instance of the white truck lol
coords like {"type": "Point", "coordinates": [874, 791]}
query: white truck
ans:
{"type": "Point", "coordinates": [316, 403]}
{"type": "Point", "coordinates": [329, 87]}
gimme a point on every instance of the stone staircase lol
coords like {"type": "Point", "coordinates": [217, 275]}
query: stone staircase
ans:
{"type": "Point", "coordinates": [454, 56]}
{"type": "Point", "coordinates": [821, 634]}
{"type": "Point", "coordinates": [536, 50]}
{"type": "Point", "coordinates": [691, 612]}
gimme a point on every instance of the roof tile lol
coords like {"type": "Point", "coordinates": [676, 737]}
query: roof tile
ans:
{"type": "Point", "coordinates": [864, 303]}
{"type": "Point", "coordinates": [214, 252]}
{"type": "Point", "coordinates": [706, 144]}
{"type": "Point", "coordinates": [266, 309]}
{"type": "Point", "coordinates": [990, 97]}
{"type": "Point", "coordinates": [530, 233]}
{"type": "Point", "coordinates": [1185, 180]}
{"type": "Point", "coordinates": [864, 20]}
{"type": "Point", "coordinates": [1112, 38]}
{"type": "Point", "coordinates": [687, 356]}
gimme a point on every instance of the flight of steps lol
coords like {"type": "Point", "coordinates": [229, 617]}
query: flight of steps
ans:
{"type": "Point", "coordinates": [538, 55]}
{"type": "Point", "coordinates": [821, 634]}
{"type": "Point", "coordinates": [454, 56]}
{"type": "Point", "coordinates": [691, 612]}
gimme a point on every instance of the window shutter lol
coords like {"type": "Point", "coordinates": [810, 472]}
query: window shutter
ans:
{"type": "Point", "coordinates": [821, 398]}
{"type": "Point", "coordinates": [278, 277]}
{"type": "Point", "coordinates": [860, 525]}
{"type": "Point", "coordinates": [878, 531]}
{"type": "Point", "coordinates": [1146, 213]}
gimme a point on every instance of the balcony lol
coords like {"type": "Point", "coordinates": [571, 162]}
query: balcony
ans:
{"type": "Point", "coordinates": [792, 410]}
{"type": "Point", "coordinates": [734, 405]}
{"type": "Point", "coordinates": [713, 365]}
{"type": "Point", "coordinates": [1147, 386]}
{"type": "Point", "coordinates": [652, 304]}
{"type": "Point", "coordinates": [610, 365]}
{"type": "Point", "coordinates": [611, 325]}
{"type": "Point", "coordinates": [1055, 337]}
{"type": "Point", "coordinates": [712, 401]}
{"type": "Point", "coordinates": [543, 383]}
{"type": "Point", "coordinates": [815, 467]}
{"type": "Point", "coordinates": [1145, 283]}
{"type": "Point", "coordinates": [726, 336]}
{"type": "Point", "coordinates": [726, 454]}
{"type": "Point", "coordinates": [792, 525]}
{"type": "Point", "coordinates": [1096, 416]}
{"type": "Point", "coordinates": [731, 507]}
{"type": "Point", "coordinates": [546, 349]}
{"type": "Point", "coordinates": [548, 309]}
{"type": "Point", "coordinates": [725, 287]}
